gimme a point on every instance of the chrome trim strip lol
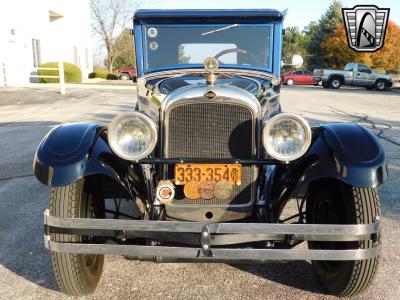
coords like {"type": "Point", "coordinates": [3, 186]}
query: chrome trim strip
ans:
{"type": "Point", "coordinates": [216, 254]}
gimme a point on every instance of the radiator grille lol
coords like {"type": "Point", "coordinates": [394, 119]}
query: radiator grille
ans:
{"type": "Point", "coordinates": [213, 130]}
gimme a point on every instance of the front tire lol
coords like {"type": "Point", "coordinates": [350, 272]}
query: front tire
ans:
{"type": "Point", "coordinates": [335, 83]}
{"type": "Point", "coordinates": [326, 85]}
{"type": "Point", "coordinates": [380, 85]}
{"type": "Point", "coordinates": [290, 81]}
{"type": "Point", "coordinates": [124, 76]}
{"type": "Point", "coordinates": [332, 202]}
{"type": "Point", "coordinates": [76, 274]}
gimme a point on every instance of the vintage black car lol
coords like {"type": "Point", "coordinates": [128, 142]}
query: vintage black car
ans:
{"type": "Point", "coordinates": [204, 165]}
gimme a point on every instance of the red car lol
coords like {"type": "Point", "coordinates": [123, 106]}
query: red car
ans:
{"type": "Point", "coordinates": [127, 73]}
{"type": "Point", "coordinates": [298, 77]}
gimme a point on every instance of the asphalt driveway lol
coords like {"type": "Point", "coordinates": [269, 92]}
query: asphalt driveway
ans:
{"type": "Point", "coordinates": [26, 114]}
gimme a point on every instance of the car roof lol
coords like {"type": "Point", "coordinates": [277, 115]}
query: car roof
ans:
{"type": "Point", "coordinates": [251, 16]}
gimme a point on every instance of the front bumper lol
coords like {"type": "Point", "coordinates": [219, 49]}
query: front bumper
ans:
{"type": "Point", "coordinates": [208, 241]}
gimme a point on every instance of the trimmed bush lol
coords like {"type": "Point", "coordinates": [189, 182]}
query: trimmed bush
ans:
{"type": "Point", "coordinates": [72, 73]}
{"type": "Point", "coordinates": [101, 73]}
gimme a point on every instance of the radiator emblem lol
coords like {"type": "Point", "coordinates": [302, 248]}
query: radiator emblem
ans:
{"type": "Point", "coordinates": [191, 190]}
{"type": "Point", "coordinates": [223, 190]}
{"type": "Point", "coordinates": [206, 189]}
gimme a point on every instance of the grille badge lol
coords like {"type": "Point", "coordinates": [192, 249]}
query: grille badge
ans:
{"type": "Point", "coordinates": [206, 189]}
{"type": "Point", "coordinates": [223, 189]}
{"type": "Point", "coordinates": [191, 190]}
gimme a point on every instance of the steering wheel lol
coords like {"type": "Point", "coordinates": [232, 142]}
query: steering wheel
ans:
{"type": "Point", "coordinates": [236, 50]}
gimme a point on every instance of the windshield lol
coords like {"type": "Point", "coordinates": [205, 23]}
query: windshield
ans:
{"type": "Point", "coordinates": [185, 46]}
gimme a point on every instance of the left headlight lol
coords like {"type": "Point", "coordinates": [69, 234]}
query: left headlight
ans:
{"type": "Point", "coordinates": [286, 136]}
{"type": "Point", "coordinates": [132, 136]}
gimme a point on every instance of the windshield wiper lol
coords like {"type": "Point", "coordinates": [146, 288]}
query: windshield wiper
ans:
{"type": "Point", "coordinates": [220, 29]}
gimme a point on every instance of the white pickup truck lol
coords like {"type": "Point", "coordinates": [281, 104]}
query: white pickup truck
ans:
{"type": "Point", "coordinates": [353, 74]}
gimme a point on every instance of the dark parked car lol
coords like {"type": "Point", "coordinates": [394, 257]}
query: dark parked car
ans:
{"type": "Point", "coordinates": [204, 165]}
{"type": "Point", "coordinates": [127, 73]}
{"type": "Point", "coordinates": [298, 77]}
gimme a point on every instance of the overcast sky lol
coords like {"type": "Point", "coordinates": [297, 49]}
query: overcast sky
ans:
{"type": "Point", "coordinates": [300, 13]}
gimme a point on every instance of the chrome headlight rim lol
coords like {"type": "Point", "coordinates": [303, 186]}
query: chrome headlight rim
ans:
{"type": "Point", "coordinates": [288, 116]}
{"type": "Point", "coordinates": [132, 115]}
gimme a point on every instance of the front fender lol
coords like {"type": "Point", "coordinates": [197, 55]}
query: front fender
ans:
{"type": "Point", "coordinates": [61, 157]}
{"type": "Point", "coordinates": [72, 151]}
{"type": "Point", "coordinates": [344, 151]}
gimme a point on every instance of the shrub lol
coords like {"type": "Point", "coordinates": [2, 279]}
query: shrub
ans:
{"type": "Point", "coordinates": [101, 73]}
{"type": "Point", "coordinates": [72, 73]}
{"type": "Point", "coordinates": [112, 76]}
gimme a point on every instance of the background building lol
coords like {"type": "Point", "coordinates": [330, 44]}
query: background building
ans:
{"type": "Point", "coordinates": [35, 32]}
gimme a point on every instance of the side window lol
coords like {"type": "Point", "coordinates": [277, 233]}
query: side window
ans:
{"type": "Point", "coordinates": [308, 73]}
{"type": "Point", "coordinates": [364, 69]}
{"type": "Point", "coordinates": [349, 67]}
{"type": "Point", "coordinates": [298, 73]}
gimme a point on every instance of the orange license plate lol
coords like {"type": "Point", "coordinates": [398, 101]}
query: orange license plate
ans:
{"type": "Point", "coordinates": [208, 172]}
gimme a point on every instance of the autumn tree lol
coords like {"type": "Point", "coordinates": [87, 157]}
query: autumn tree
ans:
{"type": "Point", "coordinates": [388, 58]}
{"type": "Point", "coordinates": [338, 53]}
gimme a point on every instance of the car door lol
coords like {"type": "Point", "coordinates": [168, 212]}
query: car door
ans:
{"type": "Point", "coordinates": [299, 77]}
{"type": "Point", "coordinates": [363, 75]}
{"type": "Point", "coordinates": [308, 79]}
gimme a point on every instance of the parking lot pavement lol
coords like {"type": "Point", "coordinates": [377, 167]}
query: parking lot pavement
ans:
{"type": "Point", "coordinates": [25, 271]}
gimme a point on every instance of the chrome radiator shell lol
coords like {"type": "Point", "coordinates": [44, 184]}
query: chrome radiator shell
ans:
{"type": "Point", "coordinates": [226, 126]}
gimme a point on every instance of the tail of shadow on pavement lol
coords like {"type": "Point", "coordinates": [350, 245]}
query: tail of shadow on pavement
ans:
{"type": "Point", "coordinates": [296, 274]}
{"type": "Point", "coordinates": [22, 202]}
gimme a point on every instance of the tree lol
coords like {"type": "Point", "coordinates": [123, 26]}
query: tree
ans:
{"type": "Point", "coordinates": [317, 33]}
{"type": "Point", "coordinates": [109, 17]}
{"type": "Point", "coordinates": [294, 42]}
{"type": "Point", "coordinates": [338, 53]}
{"type": "Point", "coordinates": [388, 58]}
{"type": "Point", "coordinates": [125, 49]}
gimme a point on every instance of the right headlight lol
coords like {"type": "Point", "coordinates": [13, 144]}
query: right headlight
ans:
{"type": "Point", "coordinates": [286, 136]}
{"type": "Point", "coordinates": [132, 136]}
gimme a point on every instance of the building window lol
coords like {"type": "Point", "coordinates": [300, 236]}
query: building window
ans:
{"type": "Point", "coordinates": [37, 56]}
{"type": "Point", "coordinates": [76, 56]}
{"type": "Point", "coordinates": [87, 58]}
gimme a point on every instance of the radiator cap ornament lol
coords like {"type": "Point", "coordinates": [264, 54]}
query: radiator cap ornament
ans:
{"type": "Point", "coordinates": [211, 65]}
